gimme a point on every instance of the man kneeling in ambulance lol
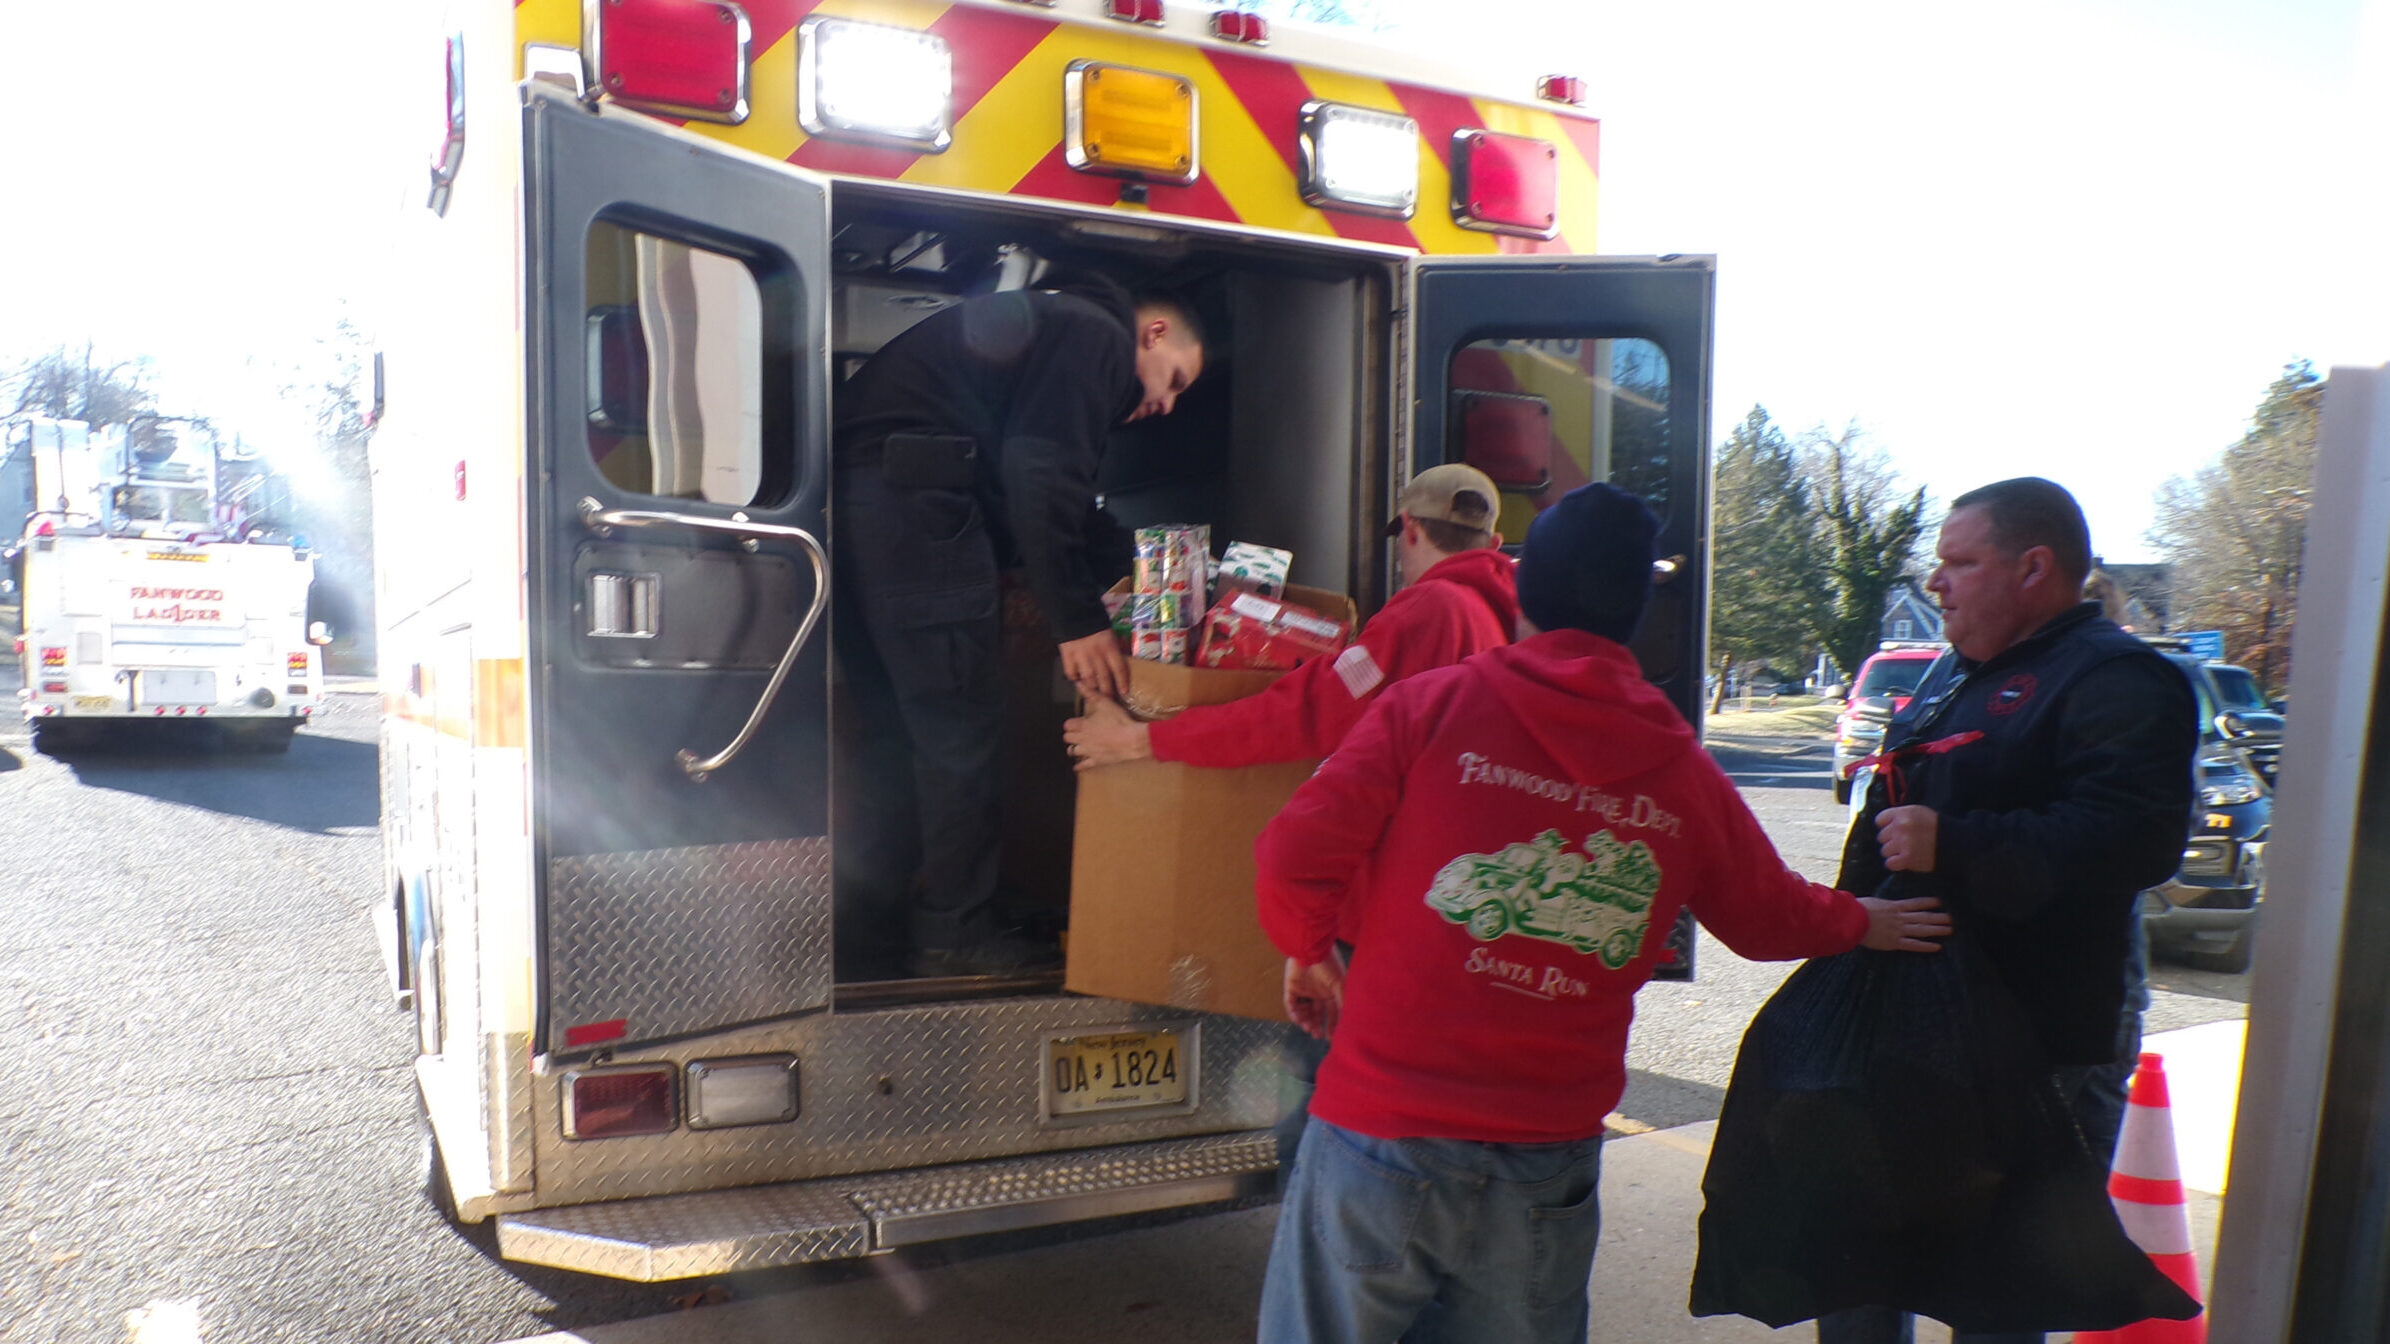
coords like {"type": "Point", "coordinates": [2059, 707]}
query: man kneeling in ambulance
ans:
{"type": "Point", "coordinates": [1446, 1180]}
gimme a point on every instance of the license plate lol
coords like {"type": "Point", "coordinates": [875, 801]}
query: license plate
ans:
{"type": "Point", "coordinates": [101, 703]}
{"type": "Point", "coordinates": [178, 686]}
{"type": "Point", "coordinates": [1119, 1070]}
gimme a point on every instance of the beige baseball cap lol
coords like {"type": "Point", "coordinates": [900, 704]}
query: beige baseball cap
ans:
{"type": "Point", "coordinates": [1452, 493]}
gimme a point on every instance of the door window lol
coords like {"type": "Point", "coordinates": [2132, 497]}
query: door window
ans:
{"type": "Point", "coordinates": [1544, 416]}
{"type": "Point", "coordinates": [675, 370]}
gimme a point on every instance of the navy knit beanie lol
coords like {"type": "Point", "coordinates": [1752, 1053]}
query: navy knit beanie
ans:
{"type": "Point", "coordinates": [1587, 563]}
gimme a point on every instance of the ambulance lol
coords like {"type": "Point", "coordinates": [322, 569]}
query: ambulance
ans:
{"type": "Point", "coordinates": [654, 238]}
{"type": "Point", "coordinates": [159, 582]}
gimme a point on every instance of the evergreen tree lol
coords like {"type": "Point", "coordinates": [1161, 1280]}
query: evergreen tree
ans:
{"type": "Point", "coordinates": [1869, 533]}
{"type": "Point", "coordinates": [1767, 589]}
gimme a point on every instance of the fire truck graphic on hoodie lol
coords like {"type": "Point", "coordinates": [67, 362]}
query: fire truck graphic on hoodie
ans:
{"type": "Point", "coordinates": [1597, 902]}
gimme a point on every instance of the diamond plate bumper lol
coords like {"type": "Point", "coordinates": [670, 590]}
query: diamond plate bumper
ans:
{"type": "Point", "coordinates": [723, 1231]}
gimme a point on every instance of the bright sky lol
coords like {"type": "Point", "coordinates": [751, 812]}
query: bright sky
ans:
{"type": "Point", "coordinates": [2068, 237]}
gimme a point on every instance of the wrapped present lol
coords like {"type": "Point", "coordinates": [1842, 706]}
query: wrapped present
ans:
{"type": "Point", "coordinates": [1159, 646]}
{"type": "Point", "coordinates": [1158, 611]}
{"type": "Point", "coordinates": [1174, 558]}
{"type": "Point", "coordinates": [1255, 632]}
{"type": "Point", "coordinates": [1247, 567]}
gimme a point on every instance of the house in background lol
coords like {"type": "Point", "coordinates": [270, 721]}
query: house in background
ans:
{"type": "Point", "coordinates": [2137, 597]}
{"type": "Point", "coordinates": [1910, 613]}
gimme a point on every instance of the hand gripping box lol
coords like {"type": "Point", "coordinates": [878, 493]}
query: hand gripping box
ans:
{"type": "Point", "coordinates": [1162, 863]}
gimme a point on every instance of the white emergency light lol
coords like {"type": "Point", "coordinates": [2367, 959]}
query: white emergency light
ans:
{"type": "Point", "coordinates": [1360, 159]}
{"type": "Point", "coordinates": [755, 1090]}
{"type": "Point", "coordinates": [875, 83]}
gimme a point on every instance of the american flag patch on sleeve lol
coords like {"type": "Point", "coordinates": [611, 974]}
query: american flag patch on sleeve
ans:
{"type": "Point", "coordinates": [1359, 671]}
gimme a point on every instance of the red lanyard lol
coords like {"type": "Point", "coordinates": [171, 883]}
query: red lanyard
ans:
{"type": "Point", "coordinates": [1889, 763]}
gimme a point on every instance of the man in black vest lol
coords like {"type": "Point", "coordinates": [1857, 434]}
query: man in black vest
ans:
{"type": "Point", "coordinates": [966, 446]}
{"type": "Point", "coordinates": [2041, 834]}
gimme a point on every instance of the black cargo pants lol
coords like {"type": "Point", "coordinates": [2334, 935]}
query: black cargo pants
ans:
{"type": "Point", "coordinates": [917, 605]}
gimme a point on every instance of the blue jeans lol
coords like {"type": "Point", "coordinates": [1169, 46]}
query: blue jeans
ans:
{"type": "Point", "coordinates": [1433, 1240]}
{"type": "Point", "coordinates": [2097, 1093]}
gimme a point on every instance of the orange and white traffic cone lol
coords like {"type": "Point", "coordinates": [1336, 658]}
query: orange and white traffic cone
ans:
{"type": "Point", "coordinates": [2146, 1184]}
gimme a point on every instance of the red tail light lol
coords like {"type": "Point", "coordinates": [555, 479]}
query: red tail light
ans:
{"type": "Point", "coordinates": [687, 57]}
{"type": "Point", "coordinates": [298, 664]}
{"type": "Point", "coordinates": [1505, 184]}
{"type": "Point", "coordinates": [1561, 89]}
{"type": "Point", "coordinates": [1236, 25]}
{"type": "Point", "coordinates": [610, 1103]}
{"type": "Point", "coordinates": [53, 657]}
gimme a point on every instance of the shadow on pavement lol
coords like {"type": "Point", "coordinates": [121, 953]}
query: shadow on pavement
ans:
{"type": "Point", "coordinates": [9, 760]}
{"type": "Point", "coordinates": [1663, 1102]}
{"type": "Point", "coordinates": [324, 784]}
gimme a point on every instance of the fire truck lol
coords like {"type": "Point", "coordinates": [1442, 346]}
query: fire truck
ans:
{"type": "Point", "coordinates": [655, 237]}
{"type": "Point", "coordinates": [158, 582]}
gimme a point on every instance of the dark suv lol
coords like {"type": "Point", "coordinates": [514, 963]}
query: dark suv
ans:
{"type": "Point", "coordinates": [2207, 913]}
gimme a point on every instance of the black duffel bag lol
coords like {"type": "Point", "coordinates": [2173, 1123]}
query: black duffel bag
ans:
{"type": "Point", "coordinates": [1893, 1136]}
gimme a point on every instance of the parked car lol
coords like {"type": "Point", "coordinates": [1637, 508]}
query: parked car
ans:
{"type": "Point", "coordinates": [1877, 693]}
{"type": "Point", "coordinates": [2207, 913]}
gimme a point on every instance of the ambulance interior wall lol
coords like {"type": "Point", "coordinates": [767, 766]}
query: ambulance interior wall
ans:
{"type": "Point", "coordinates": [1271, 445]}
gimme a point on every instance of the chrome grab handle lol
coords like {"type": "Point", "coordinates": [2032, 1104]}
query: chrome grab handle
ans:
{"type": "Point", "coordinates": [602, 520]}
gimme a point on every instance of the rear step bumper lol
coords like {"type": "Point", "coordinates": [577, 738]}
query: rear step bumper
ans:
{"type": "Point", "coordinates": [723, 1231]}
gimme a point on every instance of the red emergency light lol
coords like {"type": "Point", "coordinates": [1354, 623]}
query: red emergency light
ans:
{"type": "Point", "coordinates": [1135, 11]}
{"type": "Point", "coordinates": [682, 57]}
{"type": "Point", "coordinates": [1505, 184]}
{"type": "Point", "coordinates": [1238, 25]}
{"type": "Point", "coordinates": [610, 1103]}
{"type": "Point", "coordinates": [1568, 89]}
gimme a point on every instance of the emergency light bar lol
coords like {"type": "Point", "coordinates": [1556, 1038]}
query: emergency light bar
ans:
{"type": "Point", "coordinates": [687, 58]}
{"type": "Point", "coordinates": [872, 82]}
{"type": "Point", "coordinates": [1505, 184]}
{"type": "Point", "coordinates": [1359, 159]}
{"type": "Point", "coordinates": [1129, 122]}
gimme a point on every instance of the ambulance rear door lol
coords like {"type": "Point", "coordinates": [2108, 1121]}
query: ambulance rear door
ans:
{"type": "Point", "coordinates": [1547, 372]}
{"type": "Point", "coordinates": [678, 412]}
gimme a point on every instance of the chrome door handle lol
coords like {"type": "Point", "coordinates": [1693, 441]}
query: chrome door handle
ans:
{"type": "Point", "coordinates": [602, 520]}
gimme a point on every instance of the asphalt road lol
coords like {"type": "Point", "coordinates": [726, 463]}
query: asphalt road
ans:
{"type": "Point", "coordinates": [209, 1117]}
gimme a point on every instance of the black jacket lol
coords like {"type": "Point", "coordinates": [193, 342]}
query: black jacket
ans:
{"type": "Point", "coordinates": [1038, 379]}
{"type": "Point", "coordinates": [2076, 798]}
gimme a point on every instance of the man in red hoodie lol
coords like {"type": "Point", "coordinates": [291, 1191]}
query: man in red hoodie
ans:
{"type": "Point", "coordinates": [1506, 843]}
{"type": "Point", "coordinates": [1458, 598]}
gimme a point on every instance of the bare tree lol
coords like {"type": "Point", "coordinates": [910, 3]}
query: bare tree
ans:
{"type": "Point", "coordinates": [2235, 530]}
{"type": "Point", "coordinates": [70, 384]}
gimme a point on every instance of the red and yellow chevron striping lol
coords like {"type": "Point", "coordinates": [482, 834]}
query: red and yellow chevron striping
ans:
{"type": "Point", "coordinates": [1008, 72]}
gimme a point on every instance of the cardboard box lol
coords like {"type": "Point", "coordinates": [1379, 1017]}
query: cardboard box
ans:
{"type": "Point", "coordinates": [1162, 860]}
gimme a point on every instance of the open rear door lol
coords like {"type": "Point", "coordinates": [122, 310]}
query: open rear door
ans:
{"type": "Point", "coordinates": [678, 411]}
{"type": "Point", "coordinates": [1550, 372]}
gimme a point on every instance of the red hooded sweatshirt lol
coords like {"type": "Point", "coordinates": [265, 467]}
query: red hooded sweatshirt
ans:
{"type": "Point", "coordinates": [1507, 843]}
{"type": "Point", "coordinates": [1463, 604]}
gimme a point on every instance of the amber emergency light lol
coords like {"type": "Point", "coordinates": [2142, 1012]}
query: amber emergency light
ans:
{"type": "Point", "coordinates": [1134, 123]}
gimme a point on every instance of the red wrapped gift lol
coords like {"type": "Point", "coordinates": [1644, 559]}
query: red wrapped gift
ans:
{"type": "Point", "coordinates": [1260, 633]}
